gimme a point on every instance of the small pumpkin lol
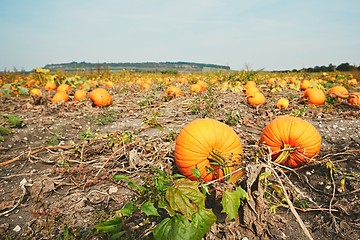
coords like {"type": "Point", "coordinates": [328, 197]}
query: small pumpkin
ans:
{"type": "Point", "coordinates": [64, 88]}
{"type": "Point", "coordinates": [173, 91]}
{"type": "Point", "coordinates": [354, 99]}
{"type": "Point", "coordinates": [35, 92]}
{"type": "Point", "coordinates": [256, 99]}
{"type": "Point", "coordinates": [249, 84]}
{"type": "Point", "coordinates": [100, 97]}
{"type": "Point", "coordinates": [202, 84]}
{"type": "Point", "coordinates": [50, 86]}
{"type": "Point", "coordinates": [282, 103]}
{"type": "Point", "coordinates": [293, 141]}
{"type": "Point", "coordinates": [251, 90]}
{"type": "Point", "coordinates": [196, 88]}
{"type": "Point", "coordinates": [305, 84]}
{"type": "Point", "coordinates": [80, 95]}
{"type": "Point", "coordinates": [60, 97]}
{"type": "Point", "coordinates": [109, 84]}
{"type": "Point", "coordinates": [208, 146]}
{"type": "Point", "coordinates": [338, 91]}
{"type": "Point", "coordinates": [314, 96]}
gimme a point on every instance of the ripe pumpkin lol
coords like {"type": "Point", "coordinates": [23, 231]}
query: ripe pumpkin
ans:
{"type": "Point", "coordinates": [338, 91]}
{"type": "Point", "coordinates": [282, 103]}
{"type": "Point", "coordinates": [80, 95]}
{"type": "Point", "coordinates": [50, 86]}
{"type": "Point", "coordinates": [64, 88]}
{"type": "Point", "coordinates": [35, 92]}
{"type": "Point", "coordinates": [256, 99]}
{"type": "Point", "coordinates": [109, 84]}
{"type": "Point", "coordinates": [202, 84]}
{"type": "Point", "coordinates": [173, 91]}
{"type": "Point", "coordinates": [305, 84]}
{"type": "Point", "coordinates": [196, 88]}
{"type": "Point", "coordinates": [251, 90]}
{"type": "Point", "coordinates": [100, 97]}
{"type": "Point", "coordinates": [249, 84]}
{"type": "Point", "coordinates": [293, 141]}
{"type": "Point", "coordinates": [60, 97]}
{"type": "Point", "coordinates": [314, 96]}
{"type": "Point", "coordinates": [209, 146]}
{"type": "Point", "coordinates": [354, 99]}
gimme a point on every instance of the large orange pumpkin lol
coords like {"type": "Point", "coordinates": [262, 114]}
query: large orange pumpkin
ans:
{"type": "Point", "coordinates": [314, 96]}
{"type": "Point", "coordinates": [293, 141]}
{"type": "Point", "coordinates": [209, 146]}
{"type": "Point", "coordinates": [100, 97]}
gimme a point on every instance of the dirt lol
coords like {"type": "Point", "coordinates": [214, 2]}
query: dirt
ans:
{"type": "Point", "coordinates": [48, 191]}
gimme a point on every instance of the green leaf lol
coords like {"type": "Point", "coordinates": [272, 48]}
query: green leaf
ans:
{"type": "Point", "coordinates": [264, 175]}
{"type": "Point", "coordinates": [243, 194]}
{"type": "Point", "coordinates": [184, 196]}
{"type": "Point", "coordinates": [175, 228]}
{"type": "Point", "coordinates": [202, 222]}
{"type": "Point", "coordinates": [131, 183]}
{"type": "Point", "coordinates": [162, 203]}
{"type": "Point", "coordinates": [196, 172]}
{"type": "Point", "coordinates": [149, 209]}
{"type": "Point", "coordinates": [23, 91]}
{"type": "Point", "coordinates": [231, 201]}
{"type": "Point", "coordinates": [110, 226]}
{"type": "Point", "coordinates": [128, 209]}
{"type": "Point", "coordinates": [13, 120]}
{"type": "Point", "coordinates": [4, 131]}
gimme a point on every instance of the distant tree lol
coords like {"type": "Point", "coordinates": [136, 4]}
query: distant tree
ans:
{"type": "Point", "coordinates": [344, 67]}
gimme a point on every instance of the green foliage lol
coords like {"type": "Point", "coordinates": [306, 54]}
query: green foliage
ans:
{"type": "Point", "coordinates": [231, 201]}
{"type": "Point", "coordinates": [174, 203]}
{"type": "Point", "coordinates": [232, 118]}
{"type": "Point", "coordinates": [13, 120]}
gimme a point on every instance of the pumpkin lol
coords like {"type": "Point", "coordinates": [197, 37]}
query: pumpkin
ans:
{"type": "Point", "coordinates": [314, 96]}
{"type": "Point", "coordinates": [209, 146]}
{"type": "Point", "coordinates": [109, 84]}
{"type": "Point", "coordinates": [251, 90]}
{"type": "Point", "coordinates": [338, 91]}
{"type": "Point", "coordinates": [35, 92]}
{"type": "Point", "coordinates": [305, 84]}
{"type": "Point", "coordinates": [64, 88]}
{"type": "Point", "coordinates": [173, 91]}
{"type": "Point", "coordinates": [196, 88]}
{"type": "Point", "coordinates": [354, 99]}
{"type": "Point", "coordinates": [60, 97]}
{"type": "Point", "coordinates": [145, 86]}
{"type": "Point", "coordinates": [282, 103]}
{"type": "Point", "coordinates": [249, 84]}
{"type": "Point", "coordinates": [100, 97]}
{"type": "Point", "coordinates": [256, 99]}
{"type": "Point", "coordinates": [202, 84]}
{"type": "Point", "coordinates": [293, 141]}
{"type": "Point", "coordinates": [80, 95]}
{"type": "Point", "coordinates": [50, 86]}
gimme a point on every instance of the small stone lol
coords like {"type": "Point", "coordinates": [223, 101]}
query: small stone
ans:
{"type": "Point", "coordinates": [17, 228]}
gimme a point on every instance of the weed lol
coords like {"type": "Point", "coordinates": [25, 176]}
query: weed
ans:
{"type": "Point", "coordinates": [232, 118]}
{"type": "Point", "coordinates": [206, 105]}
{"type": "Point", "coordinates": [301, 112]}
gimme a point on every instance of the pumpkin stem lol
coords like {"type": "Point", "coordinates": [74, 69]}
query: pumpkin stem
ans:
{"type": "Point", "coordinates": [217, 159]}
{"type": "Point", "coordinates": [286, 150]}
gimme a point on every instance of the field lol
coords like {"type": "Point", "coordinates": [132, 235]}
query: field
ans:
{"type": "Point", "coordinates": [66, 168]}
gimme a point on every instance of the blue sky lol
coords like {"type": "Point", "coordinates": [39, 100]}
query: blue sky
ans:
{"type": "Point", "coordinates": [267, 34]}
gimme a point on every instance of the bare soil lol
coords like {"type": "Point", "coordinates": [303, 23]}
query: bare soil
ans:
{"type": "Point", "coordinates": [48, 191]}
